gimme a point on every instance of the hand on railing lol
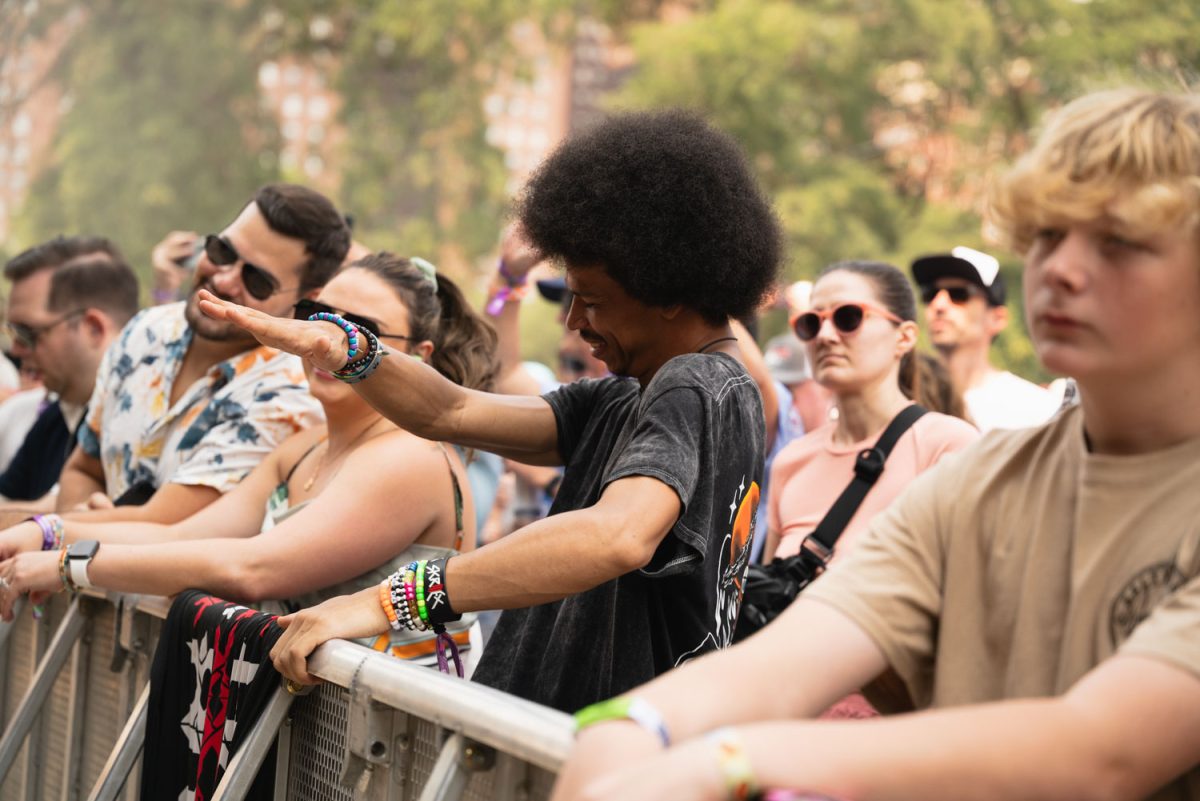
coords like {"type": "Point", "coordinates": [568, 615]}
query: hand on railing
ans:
{"type": "Point", "coordinates": [346, 617]}
{"type": "Point", "coordinates": [33, 572]}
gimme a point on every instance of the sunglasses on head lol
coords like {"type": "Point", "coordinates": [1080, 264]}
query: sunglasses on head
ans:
{"type": "Point", "coordinates": [306, 308]}
{"type": "Point", "coordinates": [958, 294]}
{"type": "Point", "coordinates": [258, 282]}
{"type": "Point", "coordinates": [847, 318]}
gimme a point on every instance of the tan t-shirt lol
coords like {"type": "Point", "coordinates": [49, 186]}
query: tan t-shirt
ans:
{"type": "Point", "coordinates": [1012, 568]}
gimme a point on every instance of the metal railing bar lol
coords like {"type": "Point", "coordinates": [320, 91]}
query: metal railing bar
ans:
{"type": "Point", "coordinates": [480, 713]}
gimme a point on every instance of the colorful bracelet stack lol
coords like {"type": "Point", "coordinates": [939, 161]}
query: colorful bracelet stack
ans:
{"type": "Point", "coordinates": [514, 290]}
{"type": "Point", "coordinates": [344, 324]}
{"type": "Point", "coordinates": [359, 369]}
{"type": "Point", "coordinates": [415, 598]}
{"type": "Point", "coordinates": [52, 530]}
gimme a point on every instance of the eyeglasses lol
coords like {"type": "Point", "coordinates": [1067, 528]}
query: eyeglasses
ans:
{"type": "Point", "coordinates": [258, 282]}
{"type": "Point", "coordinates": [306, 308]}
{"type": "Point", "coordinates": [28, 335]}
{"type": "Point", "coordinates": [958, 294]}
{"type": "Point", "coordinates": [846, 318]}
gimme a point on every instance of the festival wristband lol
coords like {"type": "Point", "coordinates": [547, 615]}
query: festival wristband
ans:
{"type": "Point", "coordinates": [628, 708]}
{"type": "Point", "coordinates": [734, 764]}
{"type": "Point", "coordinates": [52, 530]}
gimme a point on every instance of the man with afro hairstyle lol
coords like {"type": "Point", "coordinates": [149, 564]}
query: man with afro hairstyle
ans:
{"type": "Point", "coordinates": [664, 236]}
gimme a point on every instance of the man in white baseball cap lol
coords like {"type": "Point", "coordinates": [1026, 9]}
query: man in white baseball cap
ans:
{"type": "Point", "coordinates": [964, 296]}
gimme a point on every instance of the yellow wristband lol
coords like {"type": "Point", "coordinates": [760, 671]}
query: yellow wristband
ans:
{"type": "Point", "coordinates": [734, 764]}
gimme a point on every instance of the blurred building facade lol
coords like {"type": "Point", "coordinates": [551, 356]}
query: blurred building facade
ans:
{"type": "Point", "coordinates": [526, 116]}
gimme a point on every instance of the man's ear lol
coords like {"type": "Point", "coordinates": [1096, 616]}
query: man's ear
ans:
{"type": "Point", "coordinates": [96, 325]}
{"type": "Point", "coordinates": [997, 320]}
{"type": "Point", "coordinates": [670, 312]}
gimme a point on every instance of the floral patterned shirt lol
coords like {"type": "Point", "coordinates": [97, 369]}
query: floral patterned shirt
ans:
{"type": "Point", "coordinates": [218, 430]}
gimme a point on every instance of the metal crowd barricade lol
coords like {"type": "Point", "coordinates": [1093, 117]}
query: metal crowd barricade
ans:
{"type": "Point", "coordinates": [74, 691]}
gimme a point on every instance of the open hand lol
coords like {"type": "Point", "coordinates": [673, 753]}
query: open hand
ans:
{"type": "Point", "coordinates": [321, 343]}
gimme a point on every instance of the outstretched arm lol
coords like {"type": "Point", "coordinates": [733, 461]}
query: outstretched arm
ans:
{"type": "Point", "coordinates": [412, 394]}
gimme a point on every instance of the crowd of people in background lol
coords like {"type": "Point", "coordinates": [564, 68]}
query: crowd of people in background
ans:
{"type": "Point", "coordinates": [335, 435]}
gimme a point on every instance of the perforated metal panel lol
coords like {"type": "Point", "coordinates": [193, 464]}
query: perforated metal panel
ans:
{"type": "Point", "coordinates": [318, 741]}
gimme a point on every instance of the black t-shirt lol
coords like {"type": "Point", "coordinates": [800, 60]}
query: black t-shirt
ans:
{"type": "Point", "coordinates": [35, 466]}
{"type": "Point", "coordinates": [698, 427]}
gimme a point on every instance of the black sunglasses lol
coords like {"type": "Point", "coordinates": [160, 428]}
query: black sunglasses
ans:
{"type": "Point", "coordinates": [258, 282]}
{"type": "Point", "coordinates": [306, 308]}
{"type": "Point", "coordinates": [846, 318]}
{"type": "Point", "coordinates": [958, 294]}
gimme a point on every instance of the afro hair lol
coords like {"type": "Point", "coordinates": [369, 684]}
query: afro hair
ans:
{"type": "Point", "coordinates": [666, 205]}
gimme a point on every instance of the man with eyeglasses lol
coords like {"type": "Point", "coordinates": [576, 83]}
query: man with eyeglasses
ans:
{"type": "Point", "coordinates": [964, 297]}
{"type": "Point", "coordinates": [70, 297]}
{"type": "Point", "coordinates": [186, 405]}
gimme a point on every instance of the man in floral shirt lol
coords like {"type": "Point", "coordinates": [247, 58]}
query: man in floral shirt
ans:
{"type": "Point", "coordinates": [186, 406]}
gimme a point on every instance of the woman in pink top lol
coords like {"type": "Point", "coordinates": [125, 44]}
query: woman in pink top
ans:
{"type": "Point", "coordinates": [861, 334]}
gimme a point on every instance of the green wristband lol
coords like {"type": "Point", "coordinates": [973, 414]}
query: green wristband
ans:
{"type": "Point", "coordinates": [627, 708]}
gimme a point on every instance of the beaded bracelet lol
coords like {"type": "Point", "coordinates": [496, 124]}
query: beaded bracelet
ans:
{"type": "Point", "coordinates": [388, 609]}
{"type": "Point", "coordinates": [424, 613]}
{"type": "Point", "coordinates": [359, 369]}
{"type": "Point", "coordinates": [735, 766]}
{"type": "Point", "coordinates": [344, 324]}
{"type": "Point", "coordinates": [396, 601]}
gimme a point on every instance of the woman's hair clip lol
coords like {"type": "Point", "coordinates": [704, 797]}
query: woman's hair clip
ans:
{"type": "Point", "coordinates": [427, 269]}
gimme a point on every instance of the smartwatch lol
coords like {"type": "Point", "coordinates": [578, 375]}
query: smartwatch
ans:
{"type": "Point", "coordinates": [79, 556]}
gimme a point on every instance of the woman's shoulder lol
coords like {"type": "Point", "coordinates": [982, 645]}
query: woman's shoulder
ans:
{"type": "Point", "coordinates": [803, 449]}
{"type": "Point", "coordinates": [294, 448]}
{"type": "Point", "coordinates": [937, 429]}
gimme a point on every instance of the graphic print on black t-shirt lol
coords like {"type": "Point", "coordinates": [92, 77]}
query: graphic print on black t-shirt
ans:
{"type": "Point", "coordinates": [698, 428]}
{"type": "Point", "coordinates": [731, 570]}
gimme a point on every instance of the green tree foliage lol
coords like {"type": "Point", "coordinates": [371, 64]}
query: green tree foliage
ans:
{"type": "Point", "coordinates": [163, 127]}
{"type": "Point", "coordinates": [812, 89]}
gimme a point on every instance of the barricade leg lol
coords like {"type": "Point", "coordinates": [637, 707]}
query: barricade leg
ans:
{"type": "Point", "coordinates": [77, 705]}
{"type": "Point", "coordinates": [450, 776]}
{"type": "Point", "coordinates": [28, 711]}
{"type": "Point", "coordinates": [244, 765]}
{"type": "Point", "coordinates": [124, 754]}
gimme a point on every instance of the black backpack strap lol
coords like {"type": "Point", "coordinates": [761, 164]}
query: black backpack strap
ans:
{"type": "Point", "coordinates": [867, 468]}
